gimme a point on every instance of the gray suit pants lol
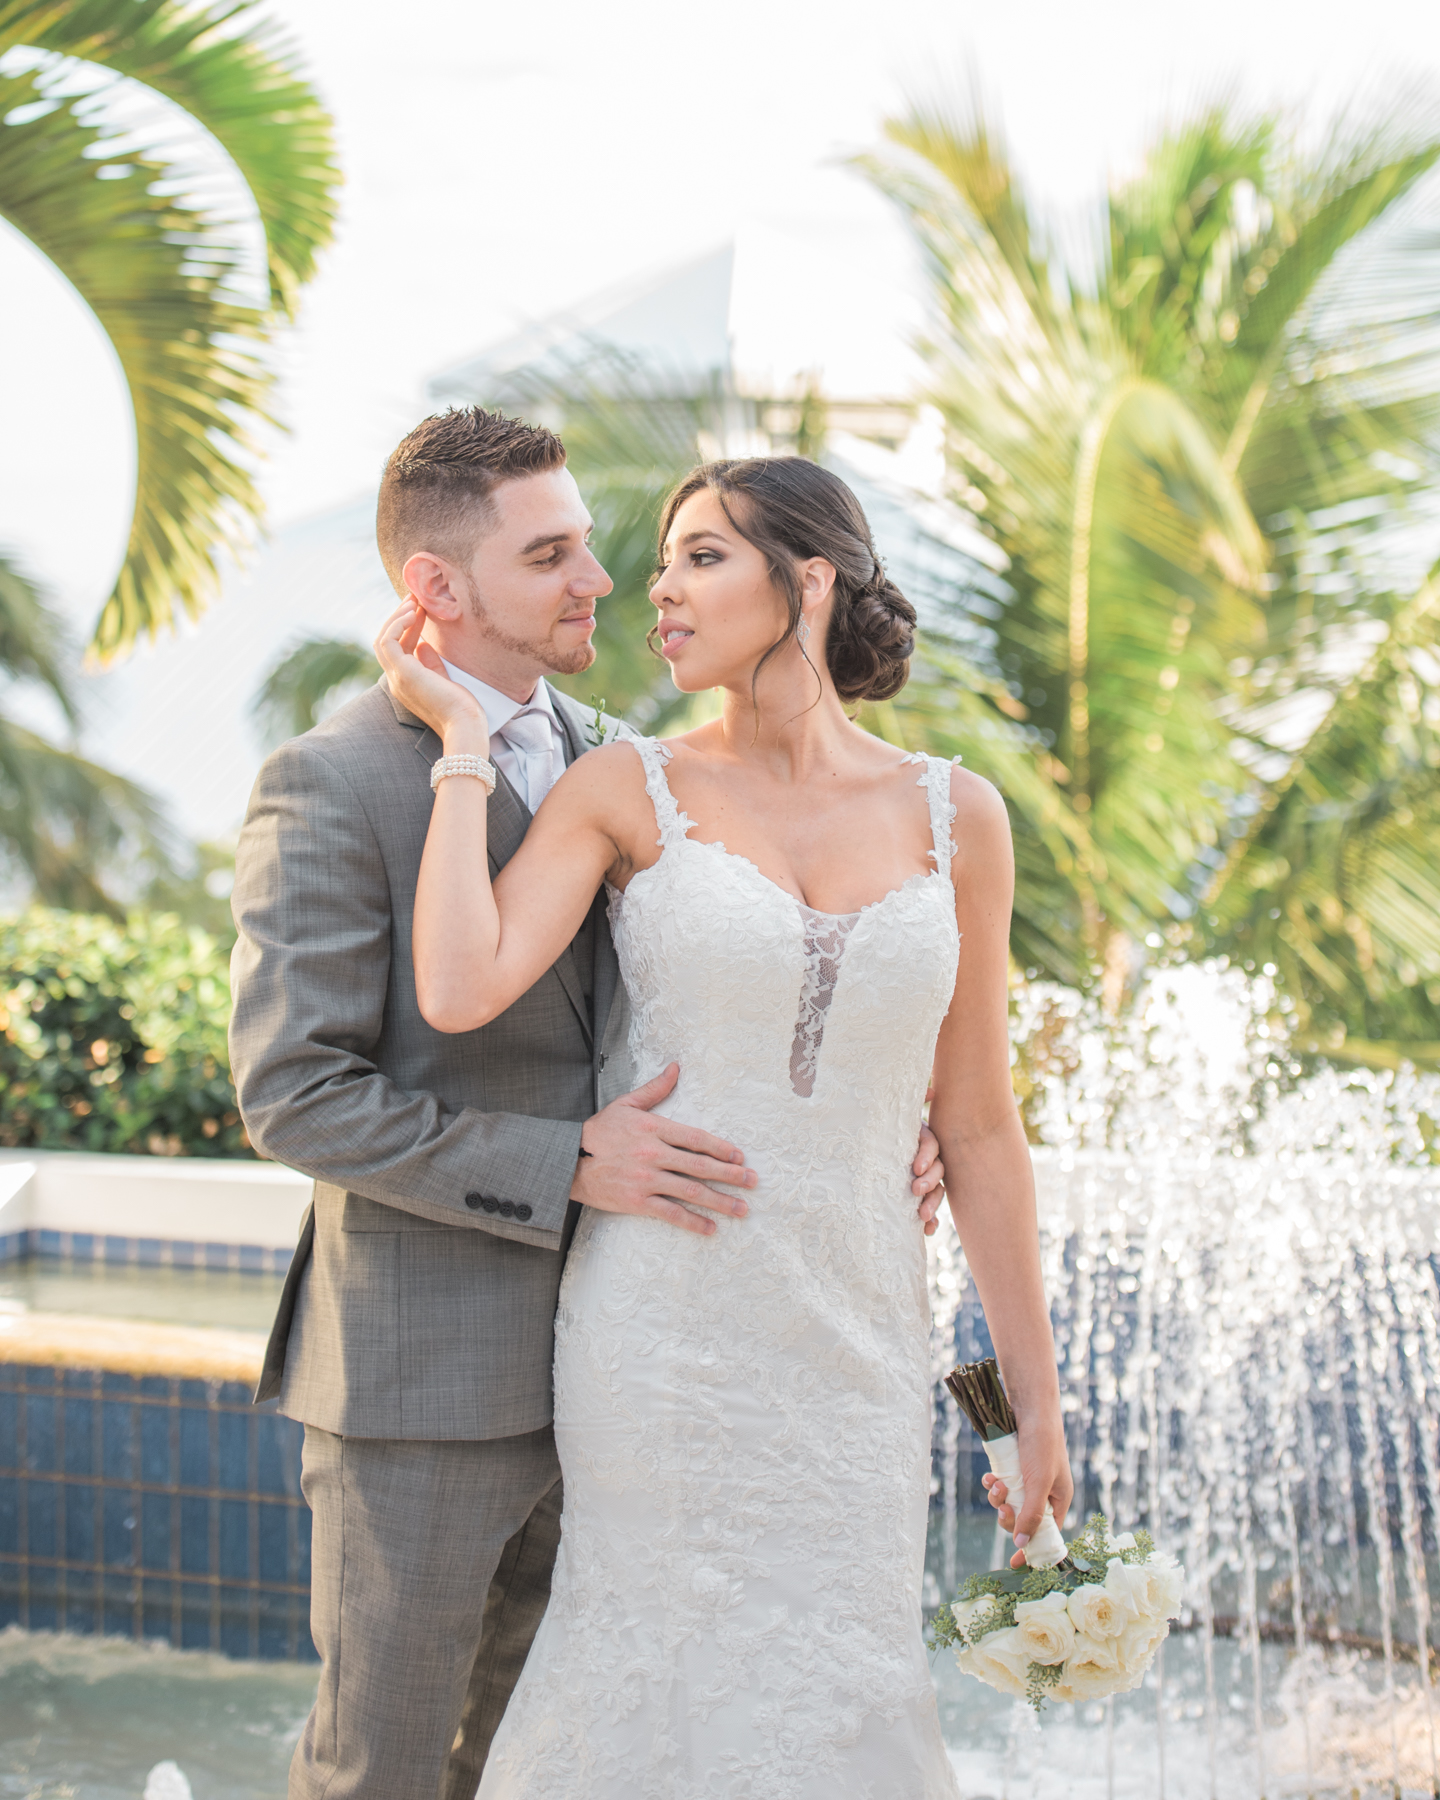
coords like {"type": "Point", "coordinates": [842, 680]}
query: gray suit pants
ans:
{"type": "Point", "coordinates": [430, 1570]}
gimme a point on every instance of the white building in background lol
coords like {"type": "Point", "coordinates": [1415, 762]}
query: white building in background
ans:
{"type": "Point", "coordinates": [177, 715]}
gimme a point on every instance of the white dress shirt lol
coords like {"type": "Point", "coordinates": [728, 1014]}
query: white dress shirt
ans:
{"type": "Point", "coordinates": [526, 772]}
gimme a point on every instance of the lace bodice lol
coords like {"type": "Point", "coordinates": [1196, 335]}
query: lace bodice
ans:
{"type": "Point", "coordinates": [788, 975]}
{"type": "Point", "coordinates": [743, 1419]}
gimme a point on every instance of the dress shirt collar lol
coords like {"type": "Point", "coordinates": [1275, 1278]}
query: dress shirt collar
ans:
{"type": "Point", "coordinates": [500, 709]}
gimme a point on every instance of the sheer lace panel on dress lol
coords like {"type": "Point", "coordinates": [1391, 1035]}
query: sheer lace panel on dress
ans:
{"type": "Point", "coordinates": [825, 935]}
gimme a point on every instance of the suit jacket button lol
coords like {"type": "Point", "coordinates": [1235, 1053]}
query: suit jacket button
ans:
{"type": "Point", "coordinates": [604, 1058]}
{"type": "Point", "coordinates": [490, 1203]}
{"type": "Point", "coordinates": [523, 1212]}
{"type": "Point", "coordinates": [507, 1209]}
{"type": "Point", "coordinates": [472, 1201]}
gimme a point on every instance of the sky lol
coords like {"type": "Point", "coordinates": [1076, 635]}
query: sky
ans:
{"type": "Point", "coordinates": [505, 160]}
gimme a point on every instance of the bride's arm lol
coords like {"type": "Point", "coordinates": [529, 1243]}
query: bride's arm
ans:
{"type": "Point", "coordinates": [477, 948]}
{"type": "Point", "coordinates": [987, 1161]}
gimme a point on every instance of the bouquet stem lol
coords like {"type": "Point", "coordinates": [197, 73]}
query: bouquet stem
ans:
{"type": "Point", "coordinates": [982, 1398]}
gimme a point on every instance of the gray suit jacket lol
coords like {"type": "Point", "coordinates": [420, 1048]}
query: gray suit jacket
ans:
{"type": "Point", "coordinates": [421, 1300]}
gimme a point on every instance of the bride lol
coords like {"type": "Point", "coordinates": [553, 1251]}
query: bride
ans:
{"type": "Point", "coordinates": [813, 925]}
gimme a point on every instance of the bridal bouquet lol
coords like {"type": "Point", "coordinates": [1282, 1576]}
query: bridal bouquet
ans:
{"type": "Point", "coordinates": [1083, 1620]}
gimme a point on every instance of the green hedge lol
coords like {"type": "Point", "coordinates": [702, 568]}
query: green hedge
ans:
{"type": "Point", "coordinates": [114, 1037]}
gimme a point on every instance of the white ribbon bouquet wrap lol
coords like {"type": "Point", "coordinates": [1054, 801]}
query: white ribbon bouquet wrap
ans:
{"type": "Point", "coordinates": [1080, 1620]}
{"type": "Point", "coordinates": [1046, 1547]}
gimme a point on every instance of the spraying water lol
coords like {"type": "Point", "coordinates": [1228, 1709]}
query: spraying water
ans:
{"type": "Point", "coordinates": [1242, 1261]}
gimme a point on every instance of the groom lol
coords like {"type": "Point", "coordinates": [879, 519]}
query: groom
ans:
{"type": "Point", "coordinates": [415, 1332]}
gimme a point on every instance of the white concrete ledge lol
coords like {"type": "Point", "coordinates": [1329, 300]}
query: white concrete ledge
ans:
{"type": "Point", "coordinates": [191, 1199]}
{"type": "Point", "coordinates": [131, 1347]}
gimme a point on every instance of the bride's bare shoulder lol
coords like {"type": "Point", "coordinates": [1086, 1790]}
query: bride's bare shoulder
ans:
{"type": "Point", "coordinates": [980, 832]}
{"type": "Point", "coordinates": [977, 802]}
{"type": "Point", "coordinates": [600, 777]}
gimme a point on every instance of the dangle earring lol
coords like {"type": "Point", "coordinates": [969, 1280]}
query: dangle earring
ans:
{"type": "Point", "coordinates": [802, 635]}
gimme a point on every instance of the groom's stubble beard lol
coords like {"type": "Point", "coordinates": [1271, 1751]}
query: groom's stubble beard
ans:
{"type": "Point", "coordinates": [542, 650]}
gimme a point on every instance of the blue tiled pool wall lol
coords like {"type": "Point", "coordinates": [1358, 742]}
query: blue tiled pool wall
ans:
{"type": "Point", "coordinates": [152, 1507]}
{"type": "Point", "coordinates": [143, 1253]}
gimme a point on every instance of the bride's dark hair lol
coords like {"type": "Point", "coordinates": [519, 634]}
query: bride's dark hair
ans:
{"type": "Point", "coordinates": [791, 509]}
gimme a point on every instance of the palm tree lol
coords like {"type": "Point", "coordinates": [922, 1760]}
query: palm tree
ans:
{"type": "Point", "coordinates": [64, 821]}
{"type": "Point", "coordinates": [1196, 440]}
{"type": "Point", "coordinates": [160, 276]}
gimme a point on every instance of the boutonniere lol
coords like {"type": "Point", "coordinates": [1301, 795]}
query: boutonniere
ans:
{"type": "Point", "coordinates": [595, 730]}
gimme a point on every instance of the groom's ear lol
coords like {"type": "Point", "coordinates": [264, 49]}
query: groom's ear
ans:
{"type": "Point", "coordinates": [436, 584]}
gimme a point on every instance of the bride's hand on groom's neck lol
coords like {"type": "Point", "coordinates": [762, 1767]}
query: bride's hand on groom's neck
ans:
{"type": "Point", "coordinates": [418, 680]}
{"type": "Point", "coordinates": [633, 1160]}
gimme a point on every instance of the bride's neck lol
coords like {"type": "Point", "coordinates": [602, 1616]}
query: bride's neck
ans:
{"type": "Point", "coordinates": [794, 721]}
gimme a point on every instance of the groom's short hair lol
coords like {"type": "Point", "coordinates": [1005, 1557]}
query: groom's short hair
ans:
{"type": "Point", "coordinates": [436, 491]}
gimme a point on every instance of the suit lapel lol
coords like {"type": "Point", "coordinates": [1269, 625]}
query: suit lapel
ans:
{"type": "Point", "coordinates": [565, 964]}
{"type": "Point", "coordinates": [575, 720]}
{"type": "Point", "coordinates": [507, 819]}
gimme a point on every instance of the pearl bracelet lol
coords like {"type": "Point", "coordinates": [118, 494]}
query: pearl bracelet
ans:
{"type": "Point", "coordinates": [462, 765]}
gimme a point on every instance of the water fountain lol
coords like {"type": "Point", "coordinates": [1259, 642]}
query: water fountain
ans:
{"type": "Point", "coordinates": [1243, 1262]}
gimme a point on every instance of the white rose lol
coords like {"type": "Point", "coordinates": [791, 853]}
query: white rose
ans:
{"type": "Point", "coordinates": [1129, 1586]}
{"type": "Point", "coordinates": [1092, 1653]}
{"type": "Point", "coordinates": [1167, 1585]}
{"type": "Point", "coordinates": [1125, 1541]}
{"type": "Point", "coordinates": [1045, 1628]}
{"type": "Point", "coordinates": [1084, 1684]}
{"type": "Point", "coordinates": [1154, 1586]}
{"type": "Point", "coordinates": [1139, 1642]}
{"type": "Point", "coordinates": [1093, 1670]}
{"type": "Point", "coordinates": [1090, 1683]}
{"type": "Point", "coordinates": [1097, 1612]}
{"type": "Point", "coordinates": [999, 1660]}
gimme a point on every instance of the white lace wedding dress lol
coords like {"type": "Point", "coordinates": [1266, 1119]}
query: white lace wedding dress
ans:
{"type": "Point", "coordinates": [743, 1420]}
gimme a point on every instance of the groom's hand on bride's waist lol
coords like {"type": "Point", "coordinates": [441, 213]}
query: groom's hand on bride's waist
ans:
{"type": "Point", "coordinates": [929, 1183]}
{"type": "Point", "coordinates": [633, 1160]}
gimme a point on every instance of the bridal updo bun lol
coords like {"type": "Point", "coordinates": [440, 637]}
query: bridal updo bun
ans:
{"type": "Point", "coordinates": [791, 509]}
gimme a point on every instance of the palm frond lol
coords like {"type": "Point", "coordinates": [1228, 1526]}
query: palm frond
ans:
{"type": "Point", "coordinates": [1336, 883]}
{"type": "Point", "coordinates": [236, 74]}
{"type": "Point", "coordinates": [1323, 309]}
{"type": "Point", "coordinates": [74, 826]}
{"type": "Point", "coordinates": [1134, 560]}
{"type": "Point", "coordinates": [156, 273]}
{"type": "Point", "coordinates": [962, 145]}
{"type": "Point", "coordinates": [1253, 349]}
{"type": "Point", "coordinates": [1178, 234]}
{"type": "Point", "coordinates": [952, 709]}
{"type": "Point", "coordinates": [31, 636]}
{"type": "Point", "coordinates": [305, 680]}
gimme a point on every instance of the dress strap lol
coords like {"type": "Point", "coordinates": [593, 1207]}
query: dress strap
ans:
{"type": "Point", "coordinates": [936, 782]}
{"type": "Point", "coordinates": [672, 822]}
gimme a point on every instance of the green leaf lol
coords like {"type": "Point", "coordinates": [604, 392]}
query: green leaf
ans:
{"type": "Point", "coordinates": [66, 822]}
{"type": "Point", "coordinates": [237, 74]}
{"type": "Point", "coordinates": [304, 679]}
{"type": "Point", "coordinates": [156, 274]}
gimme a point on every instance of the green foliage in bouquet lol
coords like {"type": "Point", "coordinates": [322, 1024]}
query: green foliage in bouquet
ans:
{"type": "Point", "coordinates": [112, 1038]}
{"type": "Point", "coordinates": [1090, 1552]}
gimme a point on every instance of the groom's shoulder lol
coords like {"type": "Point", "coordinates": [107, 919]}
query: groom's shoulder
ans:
{"type": "Point", "coordinates": [355, 742]}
